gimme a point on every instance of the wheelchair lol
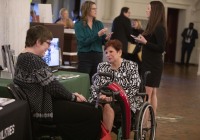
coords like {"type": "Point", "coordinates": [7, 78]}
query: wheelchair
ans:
{"type": "Point", "coordinates": [142, 117]}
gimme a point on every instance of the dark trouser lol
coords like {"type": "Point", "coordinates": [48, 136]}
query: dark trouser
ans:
{"type": "Point", "coordinates": [186, 47]}
{"type": "Point", "coordinates": [88, 62]}
{"type": "Point", "coordinates": [77, 121]}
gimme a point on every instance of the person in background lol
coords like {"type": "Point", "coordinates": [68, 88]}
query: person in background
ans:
{"type": "Point", "coordinates": [121, 28]}
{"type": "Point", "coordinates": [136, 27]}
{"type": "Point", "coordinates": [126, 75]}
{"type": "Point", "coordinates": [64, 19]}
{"type": "Point", "coordinates": [136, 30]}
{"type": "Point", "coordinates": [189, 36]}
{"type": "Point", "coordinates": [91, 35]}
{"type": "Point", "coordinates": [33, 17]}
{"type": "Point", "coordinates": [75, 15]}
{"type": "Point", "coordinates": [49, 100]}
{"type": "Point", "coordinates": [154, 42]}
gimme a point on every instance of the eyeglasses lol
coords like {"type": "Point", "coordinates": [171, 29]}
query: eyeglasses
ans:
{"type": "Point", "coordinates": [49, 43]}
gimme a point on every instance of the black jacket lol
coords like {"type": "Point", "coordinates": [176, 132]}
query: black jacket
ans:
{"type": "Point", "coordinates": [193, 36]}
{"type": "Point", "coordinates": [121, 29]}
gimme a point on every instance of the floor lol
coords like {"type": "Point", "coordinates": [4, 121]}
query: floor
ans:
{"type": "Point", "coordinates": [179, 104]}
{"type": "Point", "coordinates": [178, 111]}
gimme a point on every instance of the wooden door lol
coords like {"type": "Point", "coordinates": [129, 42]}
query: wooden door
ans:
{"type": "Point", "coordinates": [172, 23]}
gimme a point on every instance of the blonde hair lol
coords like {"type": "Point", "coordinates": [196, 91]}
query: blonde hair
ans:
{"type": "Point", "coordinates": [139, 23]}
{"type": "Point", "coordinates": [62, 10]}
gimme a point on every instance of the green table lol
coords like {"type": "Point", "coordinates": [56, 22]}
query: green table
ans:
{"type": "Point", "coordinates": [3, 90]}
{"type": "Point", "coordinates": [80, 84]}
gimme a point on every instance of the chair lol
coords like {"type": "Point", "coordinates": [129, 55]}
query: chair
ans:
{"type": "Point", "coordinates": [39, 130]}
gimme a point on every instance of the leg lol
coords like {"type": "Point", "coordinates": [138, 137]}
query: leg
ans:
{"type": "Point", "coordinates": [154, 102]}
{"type": "Point", "coordinates": [108, 116]}
{"type": "Point", "coordinates": [152, 97]}
{"type": "Point", "coordinates": [189, 51]}
{"type": "Point", "coordinates": [74, 120]}
{"type": "Point", "coordinates": [183, 51]}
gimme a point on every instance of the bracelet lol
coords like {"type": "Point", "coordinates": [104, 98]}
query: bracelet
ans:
{"type": "Point", "coordinates": [74, 98]}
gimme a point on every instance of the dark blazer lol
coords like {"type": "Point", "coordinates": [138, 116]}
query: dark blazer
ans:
{"type": "Point", "coordinates": [121, 29]}
{"type": "Point", "coordinates": [193, 36]}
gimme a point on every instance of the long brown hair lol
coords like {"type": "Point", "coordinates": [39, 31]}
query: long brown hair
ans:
{"type": "Point", "coordinates": [85, 10]}
{"type": "Point", "coordinates": [157, 17]}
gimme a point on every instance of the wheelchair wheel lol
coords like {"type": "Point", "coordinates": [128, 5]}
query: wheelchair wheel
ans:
{"type": "Point", "coordinates": [145, 124]}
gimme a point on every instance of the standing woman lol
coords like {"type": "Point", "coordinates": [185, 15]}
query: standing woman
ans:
{"type": "Point", "coordinates": [154, 41]}
{"type": "Point", "coordinates": [90, 34]}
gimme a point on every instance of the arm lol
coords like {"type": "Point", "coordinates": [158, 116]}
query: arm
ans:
{"type": "Point", "coordinates": [128, 30]}
{"type": "Point", "coordinates": [183, 34]}
{"type": "Point", "coordinates": [58, 91]}
{"type": "Point", "coordinates": [134, 79]}
{"type": "Point", "coordinates": [196, 34]}
{"type": "Point", "coordinates": [159, 36]}
{"type": "Point", "coordinates": [99, 81]}
{"type": "Point", "coordinates": [83, 36]}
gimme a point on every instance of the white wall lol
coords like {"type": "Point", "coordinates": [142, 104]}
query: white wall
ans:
{"type": "Point", "coordinates": [14, 22]}
{"type": "Point", "coordinates": [138, 10]}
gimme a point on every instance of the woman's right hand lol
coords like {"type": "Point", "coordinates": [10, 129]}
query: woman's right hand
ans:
{"type": "Point", "coordinates": [80, 98]}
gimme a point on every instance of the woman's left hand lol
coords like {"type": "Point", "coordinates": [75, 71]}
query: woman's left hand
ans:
{"type": "Point", "coordinates": [80, 98]}
{"type": "Point", "coordinates": [140, 39]}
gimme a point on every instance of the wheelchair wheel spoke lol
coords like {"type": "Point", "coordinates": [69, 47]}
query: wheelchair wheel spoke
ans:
{"type": "Point", "coordinates": [145, 128]}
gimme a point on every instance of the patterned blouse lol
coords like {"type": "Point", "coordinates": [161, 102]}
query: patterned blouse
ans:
{"type": "Point", "coordinates": [35, 78]}
{"type": "Point", "coordinates": [126, 75]}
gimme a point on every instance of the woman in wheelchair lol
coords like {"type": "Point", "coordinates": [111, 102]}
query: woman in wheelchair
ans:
{"type": "Point", "coordinates": [125, 74]}
{"type": "Point", "coordinates": [49, 101]}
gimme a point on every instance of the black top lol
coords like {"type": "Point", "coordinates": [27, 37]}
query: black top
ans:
{"type": "Point", "coordinates": [152, 58]}
{"type": "Point", "coordinates": [121, 29]}
{"type": "Point", "coordinates": [136, 32]}
{"type": "Point", "coordinates": [192, 36]}
{"type": "Point", "coordinates": [35, 78]}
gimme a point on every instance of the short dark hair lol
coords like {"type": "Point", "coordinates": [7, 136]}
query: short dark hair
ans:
{"type": "Point", "coordinates": [191, 24]}
{"type": "Point", "coordinates": [116, 44]}
{"type": "Point", "coordinates": [124, 10]}
{"type": "Point", "coordinates": [37, 32]}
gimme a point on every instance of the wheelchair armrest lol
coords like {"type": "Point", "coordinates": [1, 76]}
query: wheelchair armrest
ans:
{"type": "Point", "coordinates": [109, 93]}
{"type": "Point", "coordinates": [141, 94]}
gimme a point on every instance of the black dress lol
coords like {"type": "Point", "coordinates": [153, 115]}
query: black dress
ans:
{"type": "Point", "coordinates": [152, 58]}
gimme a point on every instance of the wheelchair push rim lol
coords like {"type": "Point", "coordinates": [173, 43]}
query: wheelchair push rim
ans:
{"type": "Point", "coordinates": [145, 132]}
